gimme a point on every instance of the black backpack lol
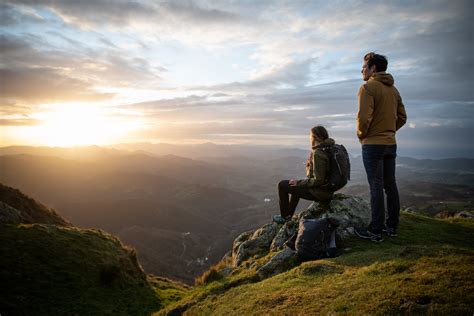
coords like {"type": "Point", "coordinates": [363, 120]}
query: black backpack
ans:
{"type": "Point", "coordinates": [316, 238]}
{"type": "Point", "coordinates": [339, 166]}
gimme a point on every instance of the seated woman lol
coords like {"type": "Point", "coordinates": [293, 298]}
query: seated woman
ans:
{"type": "Point", "coordinates": [317, 172]}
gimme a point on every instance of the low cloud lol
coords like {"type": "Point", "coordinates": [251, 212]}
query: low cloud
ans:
{"type": "Point", "coordinates": [287, 76]}
{"type": "Point", "coordinates": [30, 85]}
{"type": "Point", "coordinates": [46, 74]}
{"type": "Point", "coordinates": [18, 122]}
{"type": "Point", "coordinates": [11, 15]}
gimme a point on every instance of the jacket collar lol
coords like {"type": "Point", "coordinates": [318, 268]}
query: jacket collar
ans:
{"type": "Point", "coordinates": [324, 143]}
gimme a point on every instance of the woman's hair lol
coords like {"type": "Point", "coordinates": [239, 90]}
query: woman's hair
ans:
{"type": "Point", "coordinates": [320, 132]}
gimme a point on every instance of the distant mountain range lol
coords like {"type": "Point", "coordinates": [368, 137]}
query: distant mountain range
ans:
{"type": "Point", "coordinates": [214, 152]}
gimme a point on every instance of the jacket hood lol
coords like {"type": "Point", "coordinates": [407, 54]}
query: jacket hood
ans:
{"type": "Point", "coordinates": [326, 142]}
{"type": "Point", "coordinates": [384, 78]}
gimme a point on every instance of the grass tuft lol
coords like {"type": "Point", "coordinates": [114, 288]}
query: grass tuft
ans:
{"type": "Point", "coordinates": [210, 275]}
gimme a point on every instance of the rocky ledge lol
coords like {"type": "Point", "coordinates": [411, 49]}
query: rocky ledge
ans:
{"type": "Point", "coordinates": [351, 212]}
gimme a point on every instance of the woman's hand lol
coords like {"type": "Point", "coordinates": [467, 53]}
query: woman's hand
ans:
{"type": "Point", "coordinates": [293, 182]}
{"type": "Point", "coordinates": [308, 160]}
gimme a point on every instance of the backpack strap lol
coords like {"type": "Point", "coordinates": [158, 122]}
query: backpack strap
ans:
{"type": "Point", "coordinates": [324, 147]}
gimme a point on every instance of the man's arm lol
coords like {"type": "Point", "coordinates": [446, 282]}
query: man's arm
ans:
{"type": "Point", "coordinates": [365, 113]}
{"type": "Point", "coordinates": [401, 113]}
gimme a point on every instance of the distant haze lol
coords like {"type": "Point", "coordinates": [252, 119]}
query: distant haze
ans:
{"type": "Point", "coordinates": [264, 72]}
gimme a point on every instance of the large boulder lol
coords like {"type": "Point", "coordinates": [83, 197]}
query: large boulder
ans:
{"type": "Point", "coordinates": [350, 211]}
{"type": "Point", "coordinates": [284, 233]}
{"type": "Point", "coordinates": [281, 262]}
{"type": "Point", "coordinates": [249, 244]}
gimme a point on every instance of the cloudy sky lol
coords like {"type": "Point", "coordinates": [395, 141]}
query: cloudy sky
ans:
{"type": "Point", "coordinates": [263, 72]}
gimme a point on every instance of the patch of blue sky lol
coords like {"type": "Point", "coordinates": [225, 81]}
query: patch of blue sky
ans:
{"type": "Point", "coordinates": [332, 67]}
{"type": "Point", "coordinates": [191, 66]}
{"type": "Point", "coordinates": [40, 19]}
{"type": "Point", "coordinates": [50, 32]}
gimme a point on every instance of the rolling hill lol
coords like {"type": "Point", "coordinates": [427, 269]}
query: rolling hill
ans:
{"type": "Point", "coordinates": [49, 267]}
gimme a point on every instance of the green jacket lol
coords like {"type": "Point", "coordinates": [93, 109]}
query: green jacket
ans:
{"type": "Point", "coordinates": [318, 172]}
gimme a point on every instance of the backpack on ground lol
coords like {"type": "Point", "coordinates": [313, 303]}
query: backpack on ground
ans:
{"type": "Point", "coordinates": [339, 166]}
{"type": "Point", "coordinates": [316, 238]}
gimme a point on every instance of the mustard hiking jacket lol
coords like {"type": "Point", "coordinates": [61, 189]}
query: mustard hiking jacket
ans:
{"type": "Point", "coordinates": [381, 111]}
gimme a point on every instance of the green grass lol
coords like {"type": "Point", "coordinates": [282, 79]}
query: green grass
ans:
{"type": "Point", "coordinates": [168, 290]}
{"type": "Point", "coordinates": [51, 270]}
{"type": "Point", "coordinates": [428, 269]}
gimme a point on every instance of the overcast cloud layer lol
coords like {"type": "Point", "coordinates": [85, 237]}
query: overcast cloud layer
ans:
{"type": "Point", "coordinates": [240, 72]}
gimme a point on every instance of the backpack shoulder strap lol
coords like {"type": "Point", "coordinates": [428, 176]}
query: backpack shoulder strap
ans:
{"type": "Point", "coordinates": [325, 147]}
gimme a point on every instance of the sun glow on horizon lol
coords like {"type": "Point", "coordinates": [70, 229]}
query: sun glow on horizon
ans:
{"type": "Point", "coordinates": [70, 125]}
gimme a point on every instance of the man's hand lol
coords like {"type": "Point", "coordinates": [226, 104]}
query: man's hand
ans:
{"type": "Point", "coordinates": [293, 182]}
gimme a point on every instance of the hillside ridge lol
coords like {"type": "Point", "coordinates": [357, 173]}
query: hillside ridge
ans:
{"type": "Point", "coordinates": [50, 267]}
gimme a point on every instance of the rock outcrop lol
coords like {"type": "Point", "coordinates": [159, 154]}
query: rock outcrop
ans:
{"type": "Point", "coordinates": [351, 212]}
{"type": "Point", "coordinates": [249, 244]}
{"type": "Point", "coordinates": [279, 263]}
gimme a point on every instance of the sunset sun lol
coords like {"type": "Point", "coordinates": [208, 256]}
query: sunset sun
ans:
{"type": "Point", "coordinates": [75, 125]}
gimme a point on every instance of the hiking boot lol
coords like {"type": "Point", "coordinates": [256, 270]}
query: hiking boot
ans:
{"type": "Point", "coordinates": [367, 234]}
{"type": "Point", "coordinates": [280, 219]}
{"type": "Point", "coordinates": [391, 232]}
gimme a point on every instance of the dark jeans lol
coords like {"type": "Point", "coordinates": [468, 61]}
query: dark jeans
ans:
{"type": "Point", "coordinates": [379, 163]}
{"type": "Point", "coordinates": [288, 204]}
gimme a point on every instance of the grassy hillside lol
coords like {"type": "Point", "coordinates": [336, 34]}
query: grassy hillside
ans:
{"type": "Point", "coordinates": [428, 269]}
{"type": "Point", "coordinates": [54, 270]}
{"type": "Point", "coordinates": [48, 269]}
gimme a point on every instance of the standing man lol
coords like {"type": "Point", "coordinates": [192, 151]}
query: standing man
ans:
{"type": "Point", "coordinates": [381, 113]}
